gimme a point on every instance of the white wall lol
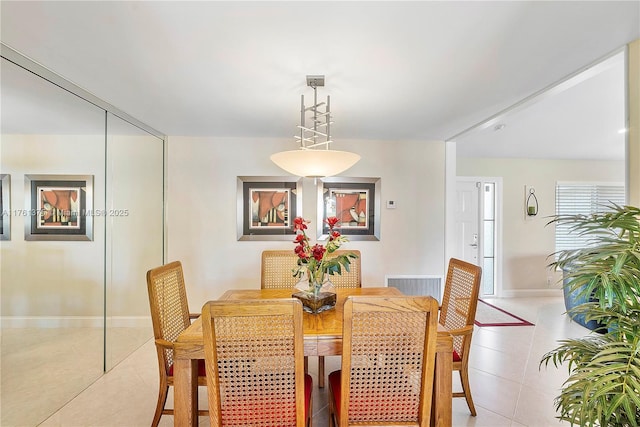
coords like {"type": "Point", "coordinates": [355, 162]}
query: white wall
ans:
{"type": "Point", "coordinates": [202, 175]}
{"type": "Point", "coordinates": [527, 241]}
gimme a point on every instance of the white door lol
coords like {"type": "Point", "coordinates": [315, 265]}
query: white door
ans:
{"type": "Point", "coordinates": [477, 228]}
{"type": "Point", "coordinates": [467, 221]}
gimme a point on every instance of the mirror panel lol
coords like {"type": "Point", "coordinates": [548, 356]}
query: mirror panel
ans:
{"type": "Point", "coordinates": [72, 309]}
{"type": "Point", "coordinates": [134, 234]}
{"type": "Point", "coordinates": [52, 291]}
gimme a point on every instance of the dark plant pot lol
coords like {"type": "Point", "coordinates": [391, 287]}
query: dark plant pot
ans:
{"type": "Point", "coordinates": [574, 299]}
{"type": "Point", "coordinates": [315, 304]}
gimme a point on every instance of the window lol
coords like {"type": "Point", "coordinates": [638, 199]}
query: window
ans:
{"type": "Point", "coordinates": [583, 198]}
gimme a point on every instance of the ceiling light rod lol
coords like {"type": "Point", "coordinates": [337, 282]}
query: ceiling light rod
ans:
{"type": "Point", "coordinates": [314, 158]}
{"type": "Point", "coordinates": [319, 123]}
{"type": "Point", "coordinates": [314, 107]}
{"type": "Point", "coordinates": [312, 143]}
{"type": "Point", "coordinates": [313, 130]}
{"type": "Point", "coordinates": [318, 144]}
{"type": "Point", "coordinates": [308, 134]}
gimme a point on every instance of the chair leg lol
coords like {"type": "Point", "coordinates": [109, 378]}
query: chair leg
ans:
{"type": "Point", "coordinates": [162, 400]}
{"type": "Point", "coordinates": [310, 415]}
{"type": "Point", "coordinates": [464, 379]}
{"type": "Point", "coordinates": [331, 408]}
{"type": "Point", "coordinates": [321, 371]}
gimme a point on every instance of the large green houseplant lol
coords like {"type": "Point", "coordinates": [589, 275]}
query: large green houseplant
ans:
{"type": "Point", "coordinates": [603, 388]}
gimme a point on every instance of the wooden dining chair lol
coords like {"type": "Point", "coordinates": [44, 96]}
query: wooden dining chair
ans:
{"type": "Point", "coordinates": [457, 314]}
{"type": "Point", "coordinates": [388, 362]}
{"type": "Point", "coordinates": [254, 360]}
{"type": "Point", "coordinates": [170, 316]}
{"type": "Point", "coordinates": [277, 273]}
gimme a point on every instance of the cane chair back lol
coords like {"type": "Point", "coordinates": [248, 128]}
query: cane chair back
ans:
{"type": "Point", "coordinates": [458, 313]}
{"type": "Point", "coordinates": [170, 316]}
{"type": "Point", "coordinates": [387, 372]}
{"type": "Point", "coordinates": [351, 278]}
{"type": "Point", "coordinates": [254, 361]}
{"type": "Point", "coordinates": [277, 269]}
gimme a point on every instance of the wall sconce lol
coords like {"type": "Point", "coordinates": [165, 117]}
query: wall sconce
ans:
{"type": "Point", "coordinates": [531, 202]}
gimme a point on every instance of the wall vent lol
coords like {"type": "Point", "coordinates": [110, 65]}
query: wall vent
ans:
{"type": "Point", "coordinates": [417, 285]}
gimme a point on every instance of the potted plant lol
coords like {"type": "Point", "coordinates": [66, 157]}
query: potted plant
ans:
{"type": "Point", "coordinates": [603, 388]}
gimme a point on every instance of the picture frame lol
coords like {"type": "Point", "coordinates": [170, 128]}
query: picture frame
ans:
{"type": "Point", "coordinates": [267, 206]}
{"type": "Point", "coordinates": [5, 206]}
{"type": "Point", "coordinates": [59, 207]}
{"type": "Point", "coordinates": [356, 203]}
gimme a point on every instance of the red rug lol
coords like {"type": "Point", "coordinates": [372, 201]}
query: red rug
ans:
{"type": "Point", "coordinates": [490, 315]}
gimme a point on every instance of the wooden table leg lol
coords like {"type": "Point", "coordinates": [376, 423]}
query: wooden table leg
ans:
{"type": "Point", "coordinates": [442, 384]}
{"type": "Point", "coordinates": [185, 392]}
{"type": "Point", "coordinates": [320, 371]}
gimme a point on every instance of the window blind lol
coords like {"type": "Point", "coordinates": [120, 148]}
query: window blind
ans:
{"type": "Point", "coordinates": [583, 198]}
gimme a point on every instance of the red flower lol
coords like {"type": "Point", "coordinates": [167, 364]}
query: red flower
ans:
{"type": "Point", "coordinates": [299, 224]}
{"type": "Point", "coordinates": [318, 252]}
{"type": "Point", "coordinates": [332, 221]}
{"type": "Point", "coordinates": [311, 260]}
{"type": "Point", "coordinates": [300, 251]}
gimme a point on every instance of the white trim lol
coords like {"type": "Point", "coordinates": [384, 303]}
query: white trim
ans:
{"type": "Point", "coordinates": [627, 126]}
{"type": "Point", "coordinates": [527, 293]}
{"type": "Point", "coordinates": [449, 202]}
{"type": "Point", "coordinates": [45, 322]}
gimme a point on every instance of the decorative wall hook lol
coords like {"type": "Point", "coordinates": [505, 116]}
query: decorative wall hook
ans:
{"type": "Point", "coordinates": [532, 203]}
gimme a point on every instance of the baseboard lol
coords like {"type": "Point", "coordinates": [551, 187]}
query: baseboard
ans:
{"type": "Point", "coordinates": [74, 322]}
{"type": "Point", "coordinates": [531, 293]}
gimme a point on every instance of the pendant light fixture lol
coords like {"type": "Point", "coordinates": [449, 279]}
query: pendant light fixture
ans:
{"type": "Point", "coordinates": [315, 158]}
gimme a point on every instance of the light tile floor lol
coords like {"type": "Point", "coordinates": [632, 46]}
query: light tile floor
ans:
{"type": "Point", "coordinates": [508, 386]}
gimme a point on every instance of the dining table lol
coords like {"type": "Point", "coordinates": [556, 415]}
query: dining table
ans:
{"type": "Point", "coordinates": [322, 337]}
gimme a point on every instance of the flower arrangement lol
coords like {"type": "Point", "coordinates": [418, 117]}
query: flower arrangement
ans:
{"type": "Point", "coordinates": [313, 261]}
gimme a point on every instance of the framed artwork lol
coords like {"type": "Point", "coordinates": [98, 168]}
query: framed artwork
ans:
{"type": "Point", "coordinates": [356, 203]}
{"type": "Point", "coordinates": [267, 207]}
{"type": "Point", "coordinates": [5, 207]}
{"type": "Point", "coordinates": [59, 207]}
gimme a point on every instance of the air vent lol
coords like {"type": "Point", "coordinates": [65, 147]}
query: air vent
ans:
{"type": "Point", "coordinates": [417, 285]}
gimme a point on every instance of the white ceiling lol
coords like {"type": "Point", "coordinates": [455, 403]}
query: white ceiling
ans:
{"type": "Point", "coordinates": [580, 118]}
{"type": "Point", "coordinates": [394, 70]}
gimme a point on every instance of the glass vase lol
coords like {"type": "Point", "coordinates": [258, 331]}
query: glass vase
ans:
{"type": "Point", "coordinates": [317, 297]}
